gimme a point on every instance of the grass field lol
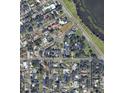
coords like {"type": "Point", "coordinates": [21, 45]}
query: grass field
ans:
{"type": "Point", "coordinates": [40, 78]}
{"type": "Point", "coordinates": [78, 32]}
{"type": "Point", "coordinates": [71, 7]}
{"type": "Point", "coordinates": [96, 40]}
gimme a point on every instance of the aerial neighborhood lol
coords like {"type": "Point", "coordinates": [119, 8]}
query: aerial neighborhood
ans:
{"type": "Point", "coordinates": [55, 56]}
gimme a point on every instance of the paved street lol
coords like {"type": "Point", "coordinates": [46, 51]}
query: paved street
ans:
{"type": "Point", "coordinates": [58, 56]}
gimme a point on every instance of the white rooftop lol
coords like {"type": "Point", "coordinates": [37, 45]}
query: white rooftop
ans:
{"type": "Point", "coordinates": [52, 6]}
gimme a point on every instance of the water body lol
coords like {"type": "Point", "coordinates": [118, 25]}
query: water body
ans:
{"type": "Point", "coordinates": [92, 14]}
{"type": "Point", "coordinates": [97, 9]}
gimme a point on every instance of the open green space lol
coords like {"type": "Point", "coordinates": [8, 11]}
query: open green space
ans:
{"type": "Point", "coordinates": [41, 82]}
{"type": "Point", "coordinates": [69, 4]}
{"type": "Point", "coordinates": [78, 32]}
{"type": "Point", "coordinates": [87, 49]}
{"type": "Point", "coordinates": [71, 7]}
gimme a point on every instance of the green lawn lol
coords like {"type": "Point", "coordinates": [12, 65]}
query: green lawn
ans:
{"type": "Point", "coordinates": [78, 32]}
{"type": "Point", "coordinates": [40, 80]}
{"type": "Point", "coordinates": [71, 7]}
{"type": "Point", "coordinates": [96, 40]}
{"type": "Point", "coordinates": [87, 49]}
